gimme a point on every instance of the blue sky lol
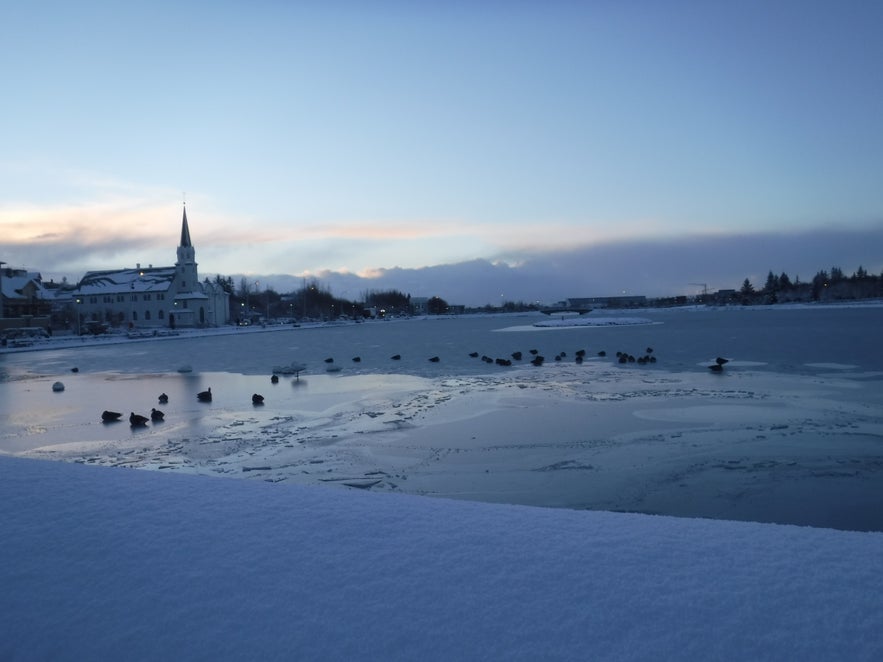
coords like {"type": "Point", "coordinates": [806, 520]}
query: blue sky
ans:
{"type": "Point", "coordinates": [364, 137]}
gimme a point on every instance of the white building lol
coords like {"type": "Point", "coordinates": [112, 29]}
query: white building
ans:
{"type": "Point", "coordinates": [153, 296]}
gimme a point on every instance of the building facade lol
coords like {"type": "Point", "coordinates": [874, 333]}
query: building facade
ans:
{"type": "Point", "coordinates": [152, 297]}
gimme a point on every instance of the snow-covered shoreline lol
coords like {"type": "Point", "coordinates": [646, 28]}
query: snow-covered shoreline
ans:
{"type": "Point", "coordinates": [101, 563]}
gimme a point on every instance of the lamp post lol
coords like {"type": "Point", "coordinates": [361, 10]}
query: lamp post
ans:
{"type": "Point", "coordinates": [1, 288]}
{"type": "Point", "coordinates": [77, 310]}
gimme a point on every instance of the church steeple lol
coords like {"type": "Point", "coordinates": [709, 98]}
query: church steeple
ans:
{"type": "Point", "coordinates": [185, 268]}
{"type": "Point", "coordinates": [185, 230]}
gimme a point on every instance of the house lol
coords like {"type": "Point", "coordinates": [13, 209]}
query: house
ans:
{"type": "Point", "coordinates": [24, 301]}
{"type": "Point", "coordinates": [153, 296]}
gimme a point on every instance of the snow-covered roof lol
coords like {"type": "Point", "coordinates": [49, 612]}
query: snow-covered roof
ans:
{"type": "Point", "coordinates": [190, 296]}
{"type": "Point", "coordinates": [13, 281]}
{"type": "Point", "coordinates": [152, 279]}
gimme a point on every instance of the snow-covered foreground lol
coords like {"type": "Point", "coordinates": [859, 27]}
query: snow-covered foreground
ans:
{"type": "Point", "coordinates": [104, 563]}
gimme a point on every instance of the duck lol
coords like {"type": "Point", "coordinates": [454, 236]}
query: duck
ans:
{"type": "Point", "coordinates": [357, 359]}
{"type": "Point", "coordinates": [435, 359]}
{"type": "Point", "coordinates": [137, 420]}
{"type": "Point", "coordinates": [474, 355]}
{"type": "Point", "coordinates": [396, 357]}
{"type": "Point", "coordinates": [110, 416]}
{"type": "Point", "coordinates": [517, 356]}
{"type": "Point", "coordinates": [329, 360]}
{"type": "Point", "coordinates": [720, 360]}
{"type": "Point", "coordinates": [275, 379]}
{"type": "Point", "coordinates": [58, 387]}
{"type": "Point", "coordinates": [156, 415]}
{"type": "Point", "coordinates": [257, 399]}
{"type": "Point", "coordinates": [205, 396]}
{"type": "Point", "coordinates": [163, 399]}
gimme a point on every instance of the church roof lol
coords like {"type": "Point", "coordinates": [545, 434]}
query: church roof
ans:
{"type": "Point", "coordinates": [152, 279]}
{"type": "Point", "coordinates": [185, 231]}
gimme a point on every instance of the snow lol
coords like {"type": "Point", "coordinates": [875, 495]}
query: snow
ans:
{"type": "Point", "coordinates": [107, 563]}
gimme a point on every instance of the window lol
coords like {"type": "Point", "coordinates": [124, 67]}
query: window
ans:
{"type": "Point", "coordinates": [161, 315]}
{"type": "Point", "coordinates": [93, 300]}
{"type": "Point", "coordinates": [146, 315]}
{"type": "Point", "coordinates": [134, 315]}
{"type": "Point", "coordinates": [120, 298]}
{"type": "Point", "coordinates": [147, 297]}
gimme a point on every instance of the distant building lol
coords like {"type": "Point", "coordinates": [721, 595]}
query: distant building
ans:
{"type": "Point", "coordinates": [23, 298]}
{"type": "Point", "coordinates": [153, 296]}
{"type": "Point", "coordinates": [622, 301]}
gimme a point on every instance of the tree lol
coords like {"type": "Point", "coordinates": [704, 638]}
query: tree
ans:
{"type": "Point", "coordinates": [747, 288]}
{"type": "Point", "coordinates": [784, 282]}
{"type": "Point", "coordinates": [772, 283]}
{"type": "Point", "coordinates": [437, 306]}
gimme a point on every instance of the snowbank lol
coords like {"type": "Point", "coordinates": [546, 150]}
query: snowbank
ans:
{"type": "Point", "coordinates": [100, 563]}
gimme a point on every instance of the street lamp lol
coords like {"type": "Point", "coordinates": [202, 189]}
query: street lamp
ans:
{"type": "Point", "coordinates": [1, 288]}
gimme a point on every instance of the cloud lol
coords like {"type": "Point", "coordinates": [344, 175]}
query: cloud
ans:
{"type": "Point", "coordinates": [684, 265]}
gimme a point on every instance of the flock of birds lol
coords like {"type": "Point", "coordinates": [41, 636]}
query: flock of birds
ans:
{"type": "Point", "coordinates": [157, 416]}
{"type": "Point", "coordinates": [537, 359]}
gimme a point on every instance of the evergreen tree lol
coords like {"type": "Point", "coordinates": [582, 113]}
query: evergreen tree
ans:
{"type": "Point", "coordinates": [747, 288]}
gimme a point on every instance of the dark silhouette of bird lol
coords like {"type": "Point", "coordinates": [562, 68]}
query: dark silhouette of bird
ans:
{"type": "Point", "coordinates": [516, 356]}
{"type": "Point", "coordinates": [396, 357]}
{"type": "Point", "coordinates": [602, 353]}
{"type": "Point", "coordinates": [110, 416]}
{"type": "Point", "coordinates": [75, 369]}
{"type": "Point", "coordinates": [257, 399]}
{"type": "Point", "coordinates": [538, 360]}
{"type": "Point", "coordinates": [163, 398]}
{"type": "Point", "coordinates": [205, 396]}
{"type": "Point", "coordinates": [533, 351]}
{"type": "Point", "coordinates": [649, 350]}
{"type": "Point", "coordinates": [137, 420]}
{"type": "Point", "coordinates": [580, 352]}
{"type": "Point", "coordinates": [329, 360]}
{"type": "Point", "coordinates": [275, 379]}
{"type": "Point", "coordinates": [716, 367]}
{"type": "Point", "coordinates": [156, 415]}
{"type": "Point", "coordinates": [721, 360]}
{"type": "Point", "coordinates": [474, 355]}
{"type": "Point", "coordinates": [435, 359]}
{"type": "Point", "coordinates": [357, 359]}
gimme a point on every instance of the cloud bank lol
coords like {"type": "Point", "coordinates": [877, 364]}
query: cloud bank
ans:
{"type": "Point", "coordinates": [648, 267]}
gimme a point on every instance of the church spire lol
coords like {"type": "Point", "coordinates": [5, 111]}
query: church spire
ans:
{"type": "Point", "coordinates": [185, 231]}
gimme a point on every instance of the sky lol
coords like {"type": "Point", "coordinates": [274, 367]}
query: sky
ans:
{"type": "Point", "coordinates": [114, 563]}
{"type": "Point", "coordinates": [406, 145]}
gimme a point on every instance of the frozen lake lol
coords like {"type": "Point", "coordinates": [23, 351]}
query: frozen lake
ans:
{"type": "Point", "coordinates": [791, 431]}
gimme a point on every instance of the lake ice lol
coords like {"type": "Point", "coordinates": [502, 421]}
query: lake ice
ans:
{"type": "Point", "coordinates": [791, 431]}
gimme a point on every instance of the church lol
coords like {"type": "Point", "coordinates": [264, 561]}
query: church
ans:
{"type": "Point", "coordinates": [153, 297]}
